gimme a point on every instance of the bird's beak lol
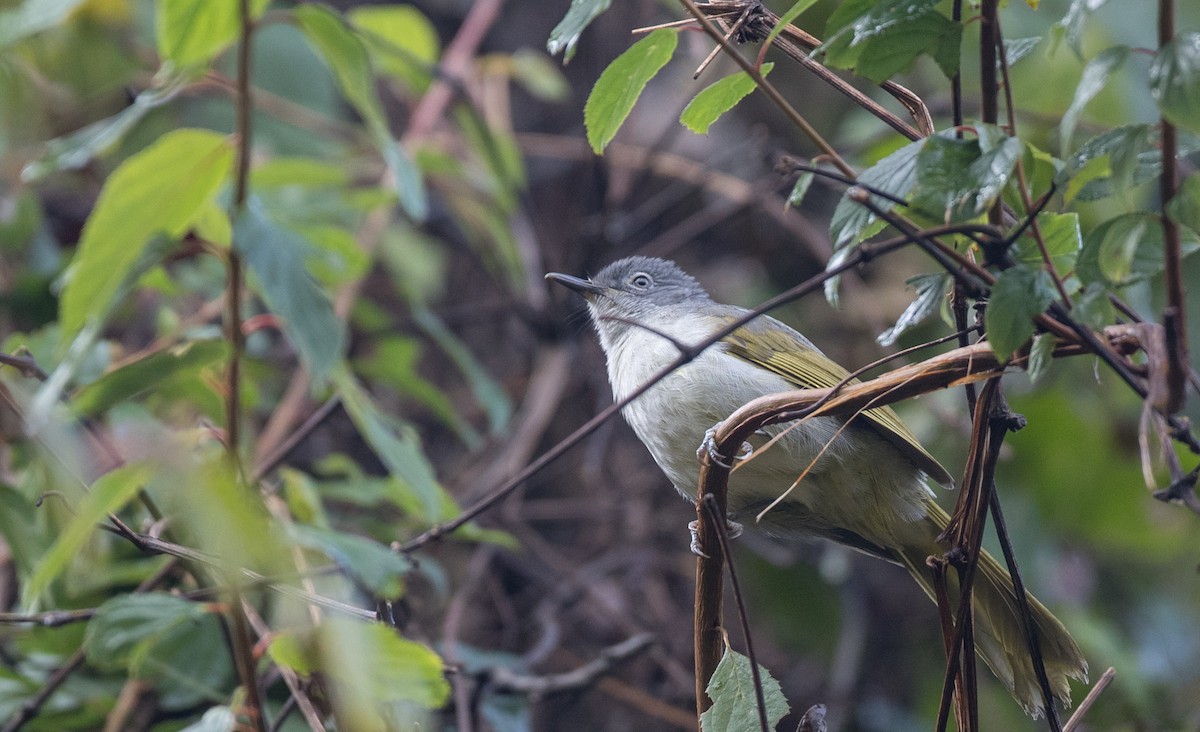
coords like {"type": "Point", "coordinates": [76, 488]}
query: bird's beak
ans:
{"type": "Point", "coordinates": [587, 288]}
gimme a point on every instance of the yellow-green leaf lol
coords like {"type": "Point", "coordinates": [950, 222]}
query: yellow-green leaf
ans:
{"type": "Point", "coordinates": [108, 494]}
{"type": "Point", "coordinates": [717, 99]}
{"type": "Point", "coordinates": [401, 40]}
{"type": "Point", "coordinates": [158, 190]}
{"type": "Point", "coordinates": [194, 31]}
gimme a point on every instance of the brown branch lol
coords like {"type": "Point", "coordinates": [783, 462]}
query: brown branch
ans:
{"type": "Point", "coordinates": [504, 679]}
{"type": "Point", "coordinates": [1027, 624]}
{"type": "Point", "coordinates": [1174, 314]}
{"type": "Point", "coordinates": [960, 366]}
{"type": "Point", "coordinates": [1089, 700]}
{"type": "Point", "coordinates": [716, 517]}
{"type": "Point", "coordinates": [769, 89]}
{"type": "Point", "coordinates": [708, 633]}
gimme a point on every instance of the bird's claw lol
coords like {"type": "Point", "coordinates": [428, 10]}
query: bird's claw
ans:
{"type": "Point", "coordinates": [732, 528]}
{"type": "Point", "coordinates": [709, 445]}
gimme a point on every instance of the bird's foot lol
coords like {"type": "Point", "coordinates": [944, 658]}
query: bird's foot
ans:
{"type": "Point", "coordinates": [733, 528]}
{"type": "Point", "coordinates": [709, 445]}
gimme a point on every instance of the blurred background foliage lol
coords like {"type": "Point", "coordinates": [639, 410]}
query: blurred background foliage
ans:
{"type": "Point", "coordinates": [460, 365]}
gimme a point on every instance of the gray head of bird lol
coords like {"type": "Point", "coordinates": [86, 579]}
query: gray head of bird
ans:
{"type": "Point", "coordinates": [635, 289]}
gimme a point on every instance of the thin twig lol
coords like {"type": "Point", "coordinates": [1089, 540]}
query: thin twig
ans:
{"type": "Point", "coordinates": [716, 515]}
{"type": "Point", "coordinates": [1090, 700]}
{"type": "Point", "coordinates": [281, 451]}
{"type": "Point", "coordinates": [504, 679]}
{"type": "Point", "coordinates": [1027, 623]}
{"type": "Point", "coordinates": [769, 89]}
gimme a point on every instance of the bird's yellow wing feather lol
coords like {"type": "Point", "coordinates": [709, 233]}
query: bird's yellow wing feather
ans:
{"type": "Point", "coordinates": [787, 353]}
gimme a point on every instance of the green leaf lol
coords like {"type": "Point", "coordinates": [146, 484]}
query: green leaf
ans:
{"type": "Point", "coordinates": [20, 529]}
{"type": "Point", "coordinates": [347, 56]}
{"type": "Point", "coordinates": [1184, 207]}
{"type": "Point", "coordinates": [566, 34]}
{"type": "Point", "coordinates": [107, 495]}
{"type": "Point", "coordinates": [879, 39]}
{"type": "Point", "coordinates": [717, 99]}
{"type": "Point", "coordinates": [1062, 237]}
{"type": "Point", "coordinates": [33, 16]}
{"type": "Point", "coordinates": [1130, 154]}
{"type": "Point", "coordinates": [1071, 26]}
{"type": "Point", "coordinates": [395, 443]}
{"type": "Point", "coordinates": [1017, 49]}
{"type": "Point", "coordinates": [393, 361]}
{"type": "Point", "coordinates": [158, 190]}
{"type": "Point", "coordinates": [371, 564]}
{"type": "Point", "coordinates": [148, 374]}
{"type": "Point", "coordinates": [1095, 77]}
{"type": "Point", "coordinates": [402, 42]}
{"type": "Point", "coordinates": [215, 719]}
{"type": "Point", "coordinates": [1093, 307]}
{"type": "Point", "coordinates": [294, 171]}
{"type": "Point", "coordinates": [303, 497]}
{"type": "Point", "coordinates": [957, 179]}
{"type": "Point", "coordinates": [125, 623]}
{"type": "Point", "coordinates": [1127, 249]}
{"type": "Point", "coordinates": [1175, 81]}
{"type": "Point", "coordinates": [800, 188]}
{"type": "Point", "coordinates": [931, 292]}
{"type": "Point", "coordinates": [1040, 357]}
{"type": "Point", "coordinates": [1020, 294]}
{"type": "Point", "coordinates": [192, 32]}
{"type": "Point", "coordinates": [275, 256]}
{"type": "Point", "coordinates": [895, 174]}
{"type": "Point", "coordinates": [540, 76]}
{"type": "Point", "coordinates": [369, 666]}
{"type": "Point", "coordinates": [619, 86]}
{"type": "Point", "coordinates": [735, 706]}
{"type": "Point", "coordinates": [77, 149]}
{"type": "Point", "coordinates": [1097, 169]}
{"type": "Point", "coordinates": [485, 389]}
{"type": "Point", "coordinates": [188, 664]}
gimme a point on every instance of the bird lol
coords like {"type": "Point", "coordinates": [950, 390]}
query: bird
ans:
{"type": "Point", "coordinates": [865, 485]}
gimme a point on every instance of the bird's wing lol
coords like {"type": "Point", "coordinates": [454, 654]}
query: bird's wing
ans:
{"type": "Point", "coordinates": [784, 351]}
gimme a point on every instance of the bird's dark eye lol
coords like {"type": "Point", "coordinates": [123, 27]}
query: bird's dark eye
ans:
{"type": "Point", "coordinates": [641, 280]}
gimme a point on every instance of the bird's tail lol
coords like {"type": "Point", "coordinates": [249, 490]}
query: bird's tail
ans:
{"type": "Point", "coordinates": [999, 637]}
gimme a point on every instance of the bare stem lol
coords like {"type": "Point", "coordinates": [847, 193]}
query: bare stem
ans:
{"type": "Point", "coordinates": [769, 89]}
{"type": "Point", "coordinates": [1174, 319]}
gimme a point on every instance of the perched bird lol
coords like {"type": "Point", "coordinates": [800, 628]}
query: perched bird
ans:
{"type": "Point", "coordinates": [866, 484]}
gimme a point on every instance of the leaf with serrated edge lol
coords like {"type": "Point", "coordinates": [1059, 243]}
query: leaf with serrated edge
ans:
{"type": "Point", "coordinates": [157, 190]}
{"type": "Point", "coordinates": [126, 622]}
{"type": "Point", "coordinates": [275, 257]}
{"type": "Point", "coordinates": [718, 98]}
{"type": "Point", "coordinates": [735, 706]}
{"type": "Point", "coordinates": [566, 34]}
{"type": "Point", "coordinates": [109, 493]}
{"type": "Point", "coordinates": [1095, 78]}
{"type": "Point", "coordinates": [1175, 81]}
{"type": "Point", "coordinates": [619, 86]}
{"type": "Point", "coordinates": [1019, 294]}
